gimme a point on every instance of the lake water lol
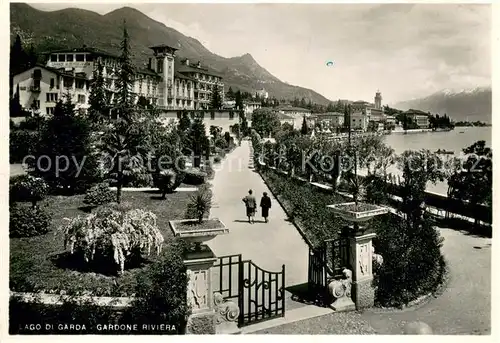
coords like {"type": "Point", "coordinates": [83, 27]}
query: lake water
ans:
{"type": "Point", "coordinates": [451, 141]}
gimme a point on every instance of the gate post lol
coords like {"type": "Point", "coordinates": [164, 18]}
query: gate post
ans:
{"type": "Point", "coordinates": [199, 292]}
{"type": "Point", "coordinates": [361, 262]}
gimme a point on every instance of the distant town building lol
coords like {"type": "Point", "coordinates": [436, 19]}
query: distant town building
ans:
{"type": "Point", "coordinates": [298, 114]}
{"type": "Point", "coordinates": [286, 119]}
{"type": "Point", "coordinates": [164, 81]}
{"type": "Point", "coordinates": [419, 117]}
{"type": "Point", "coordinates": [250, 106]}
{"type": "Point", "coordinates": [359, 121]}
{"type": "Point", "coordinates": [329, 121]}
{"type": "Point", "coordinates": [262, 94]}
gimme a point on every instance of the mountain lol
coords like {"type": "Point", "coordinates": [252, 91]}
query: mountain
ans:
{"type": "Point", "coordinates": [468, 104]}
{"type": "Point", "coordinates": [75, 27]}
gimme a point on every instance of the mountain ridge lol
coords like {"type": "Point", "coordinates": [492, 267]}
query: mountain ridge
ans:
{"type": "Point", "coordinates": [73, 27]}
{"type": "Point", "coordinates": [473, 104]}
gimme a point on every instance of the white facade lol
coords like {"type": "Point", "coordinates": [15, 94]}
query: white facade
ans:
{"type": "Point", "coordinates": [160, 83]}
{"type": "Point", "coordinates": [40, 88]}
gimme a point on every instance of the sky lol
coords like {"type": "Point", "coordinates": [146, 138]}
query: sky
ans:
{"type": "Point", "coordinates": [404, 50]}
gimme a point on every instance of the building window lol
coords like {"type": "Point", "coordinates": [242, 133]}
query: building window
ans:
{"type": "Point", "coordinates": [52, 82]}
{"type": "Point", "coordinates": [36, 104]}
{"type": "Point", "coordinates": [53, 58]}
{"type": "Point", "coordinates": [68, 82]}
{"type": "Point", "coordinates": [62, 58]}
{"type": "Point", "coordinates": [81, 98]}
{"type": "Point", "coordinates": [52, 97]}
{"type": "Point", "coordinates": [80, 57]}
{"type": "Point", "coordinates": [89, 57]}
{"type": "Point", "coordinates": [69, 57]}
{"type": "Point", "coordinates": [49, 110]}
{"type": "Point", "coordinates": [80, 84]}
{"type": "Point", "coordinates": [37, 74]}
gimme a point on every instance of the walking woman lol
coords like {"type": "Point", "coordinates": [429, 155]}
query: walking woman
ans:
{"type": "Point", "coordinates": [265, 203]}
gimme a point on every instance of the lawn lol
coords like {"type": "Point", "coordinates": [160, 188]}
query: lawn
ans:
{"type": "Point", "coordinates": [41, 263]}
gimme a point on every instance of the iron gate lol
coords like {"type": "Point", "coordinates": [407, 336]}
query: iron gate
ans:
{"type": "Point", "coordinates": [325, 263]}
{"type": "Point", "coordinates": [260, 294]}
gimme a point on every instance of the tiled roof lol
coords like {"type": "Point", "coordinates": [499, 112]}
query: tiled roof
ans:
{"type": "Point", "coordinates": [163, 46]}
{"type": "Point", "coordinates": [192, 67]}
{"type": "Point", "coordinates": [282, 116]}
{"type": "Point", "coordinates": [56, 71]}
{"type": "Point", "coordinates": [293, 109]}
{"type": "Point", "coordinates": [330, 114]}
{"type": "Point", "coordinates": [182, 76]}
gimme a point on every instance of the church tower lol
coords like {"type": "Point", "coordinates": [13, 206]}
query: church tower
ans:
{"type": "Point", "coordinates": [378, 100]}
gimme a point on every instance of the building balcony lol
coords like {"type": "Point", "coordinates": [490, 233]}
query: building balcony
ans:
{"type": "Point", "coordinates": [35, 89]}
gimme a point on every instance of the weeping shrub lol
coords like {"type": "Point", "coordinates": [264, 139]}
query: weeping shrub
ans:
{"type": "Point", "coordinates": [111, 233]}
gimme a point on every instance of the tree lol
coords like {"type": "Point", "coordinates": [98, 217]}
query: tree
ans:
{"type": "Point", "coordinates": [216, 102]}
{"type": "Point", "coordinates": [199, 140]}
{"type": "Point", "coordinates": [244, 124]}
{"type": "Point", "coordinates": [98, 109]}
{"type": "Point", "coordinates": [16, 110]}
{"type": "Point", "coordinates": [413, 264]}
{"type": "Point", "coordinates": [18, 61]}
{"type": "Point", "coordinates": [230, 94]}
{"type": "Point", "coordinates": [70, 164]}
{"type": "Point", "coordinates": [239, 100]}
{"type": "Point", "coordinates": [304, 130]}
{"type": "Point", "coordinates": [124, 97]}
{"type": "Point", "coordinates": [474, 182]}
{"type": "Point", "coordinates": [123, 146]}
{"type": "Point", "coordinates": [265, 121]}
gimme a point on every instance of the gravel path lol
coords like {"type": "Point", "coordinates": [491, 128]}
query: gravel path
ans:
{"type": "Point", "coordinates": [346, 323]}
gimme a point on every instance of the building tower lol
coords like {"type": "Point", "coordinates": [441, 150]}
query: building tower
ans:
{"type": "Point", "coordinates": [163, 64]}
{"type": "Point", "coordinates": [378, 100]}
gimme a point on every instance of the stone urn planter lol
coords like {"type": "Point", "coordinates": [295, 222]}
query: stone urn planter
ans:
{"type": "Point", "coordinates": [359, 213]}
{"type": "Point", "coordinates": [197, 233]}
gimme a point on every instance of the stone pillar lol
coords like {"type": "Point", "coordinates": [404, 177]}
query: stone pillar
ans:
{"type": "Point", "coordinates": [361, 262]}
{"type": "Point", "coordinates": [199, 292]}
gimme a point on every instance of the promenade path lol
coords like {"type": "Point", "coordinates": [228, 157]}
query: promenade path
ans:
{"type": "Point", "coordinates": [269, 245]}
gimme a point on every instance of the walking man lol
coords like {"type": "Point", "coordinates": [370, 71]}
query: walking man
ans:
{"type": "Point", "coordinates": [250, 204]}
{"type": "Point", "coordinates": [265, 203]}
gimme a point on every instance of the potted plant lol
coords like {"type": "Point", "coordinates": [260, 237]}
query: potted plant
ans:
{"type": "Point", "coordinates": [358, 211]}
{"type": "Point", "coordinates": [198, 228]}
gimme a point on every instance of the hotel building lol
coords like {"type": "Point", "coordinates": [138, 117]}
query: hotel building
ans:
{"type": "Point", "coordinates": [165, 81]}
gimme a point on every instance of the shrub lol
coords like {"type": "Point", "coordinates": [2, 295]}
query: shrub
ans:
{"type": "Point", "coordinates": [168, 180]}
{"type": "Point", "coordinates": [28, 221]}
{"type": "Point", "coordinates": [217, 159]}
{"type": "Point", "coordinates": [99, 194]}
{"type": "Point", "coordinates": [194, 177]}
{"type": "Point", "coordinates": [27, 188]}
{"type": "Point", "coordinates": [140, 177]}
{"type": "Point", "coordinates": [109, 232]}
{"type": "Point", "coordinates": [31, 123]}
{"type": "Point", "coordinates": [200, 204]}
{"type": "Point", "coordinates": [66, 134]}
{"type": "Point", "coordinates": [209, 170]}
{"type": "Point", "coordinates": [413, 265]}
{"type": "Point", "coordinates": [161, 292]}
{"type": "Point", "coordinates": [22, 143]}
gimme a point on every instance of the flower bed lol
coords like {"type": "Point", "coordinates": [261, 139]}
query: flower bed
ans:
{"type": "Point", "coordinates": [41, 263]}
